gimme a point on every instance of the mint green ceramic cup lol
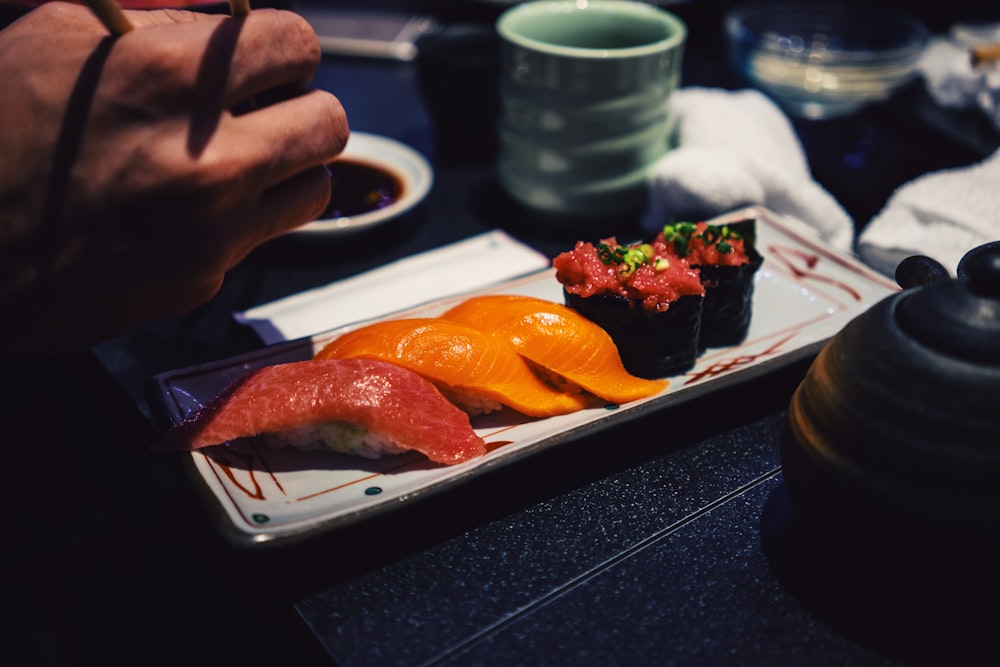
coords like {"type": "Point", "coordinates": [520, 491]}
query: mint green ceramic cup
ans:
{"type": "Point", "coordinates": [585, 88]}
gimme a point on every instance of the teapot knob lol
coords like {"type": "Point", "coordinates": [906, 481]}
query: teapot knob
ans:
{"type": "Point", "coordinates": [976, 255]}
{"type": "Point", "coordinates": [960, 318]}
{"type": "Point", "coordinates": [984, 276]}
{"type": "Point", "coordinates": [920, 270]}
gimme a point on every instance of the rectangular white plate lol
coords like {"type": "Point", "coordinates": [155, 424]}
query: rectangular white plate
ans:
{"type": "Point", "coordinates": [805, 293]}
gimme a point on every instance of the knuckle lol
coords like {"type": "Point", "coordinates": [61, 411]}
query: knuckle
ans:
{"type": "Point", "coordinates": [304, 38]}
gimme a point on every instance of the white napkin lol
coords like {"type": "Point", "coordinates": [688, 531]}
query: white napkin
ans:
{"type": "Point", "coordinates": [465, 265]}
{"type": "Point", "coordinates": [953, 80]}
{"type": "Point", "coordinates": [737, 148]}
{"type": "Point", "coordinates": [942, 215]}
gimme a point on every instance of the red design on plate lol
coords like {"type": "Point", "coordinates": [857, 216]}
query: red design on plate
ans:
{"type": "Point", "coordinates": [802, 265]}
{"type": "Point", "coordinates": [726, 365]}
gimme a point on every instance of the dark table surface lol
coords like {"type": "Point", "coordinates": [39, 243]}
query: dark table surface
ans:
{"type": "Point", "coordinates": [668, 540]}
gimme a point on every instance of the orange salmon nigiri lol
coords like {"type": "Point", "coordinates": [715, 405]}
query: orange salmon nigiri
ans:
{"type": "Point", "coordinates": [477, 371]}
{"type": "Point", "coordinates": [559, 339]}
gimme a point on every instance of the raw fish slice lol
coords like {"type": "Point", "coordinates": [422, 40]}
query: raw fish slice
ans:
{"type": "Point", "coordinates": [476, 370]}
{"type": "Point", "coordinates": [560, 339]}
{"type": "Point", "coordinates": [397, 408]}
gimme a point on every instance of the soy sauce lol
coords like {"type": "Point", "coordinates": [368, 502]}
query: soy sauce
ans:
{"type": "Point", "coordinates": [359, 187]}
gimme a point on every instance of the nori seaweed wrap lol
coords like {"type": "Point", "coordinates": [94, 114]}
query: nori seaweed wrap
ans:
{"type": "Point", "coordinates": [725, 317]}
{"type": "Point", "coordinates": [652, 344]}
{"type": "Point", "coordinates": [728, 306]}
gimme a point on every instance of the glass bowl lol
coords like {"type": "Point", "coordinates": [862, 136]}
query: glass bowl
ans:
{"type": "Point", "coordinates": [824, 60]}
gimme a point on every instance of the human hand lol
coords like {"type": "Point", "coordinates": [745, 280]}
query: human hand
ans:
{"type": "Point", "coordinates": [136, 171]}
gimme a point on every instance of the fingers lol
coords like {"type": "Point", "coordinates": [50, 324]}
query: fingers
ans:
{"type": "Point", "coordinates": [273, 154]}
{"type": "Point", "coordinates": [294, 202]}
{"type": "Point", "coordinates": [233, 59]}
{"type": "Point", "coordinates": [179, 59]}
{"type": "Point", "coordinates": [269, 166]}
{"type": "Point", "coordinates": [285, 138]}
{"type": "Point", "coordinates": [275, 49]}
{"type": "Point", "coordinates": [246, 57]}
{"type": "Point", "coordinates": [280, 209]}
{"type": "Point", "coordinates": [56, 17]}
{"type": "Point", "coordinates": [283, 151]}
{"type": "Point", "coordinates": [148, 17]}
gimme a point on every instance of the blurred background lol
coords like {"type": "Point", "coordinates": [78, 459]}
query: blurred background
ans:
{"type": "Point", "coordinates": [860, 159]}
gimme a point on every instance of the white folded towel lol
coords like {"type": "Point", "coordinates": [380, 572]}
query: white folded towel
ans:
{"type": "Point", "coordinates": [942, 215]}
{"type": "Point", "coordinates": [951, 77]}
{"type": "Point", "coordinates": [737, 148]}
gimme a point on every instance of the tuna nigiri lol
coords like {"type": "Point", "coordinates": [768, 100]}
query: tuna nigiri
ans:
{"type": "Point", "coordinates": [558, 339]}
{"type": "Point", "coordinates": [477, 371]}
{"type": "Point", "coordinates": [354, 406]}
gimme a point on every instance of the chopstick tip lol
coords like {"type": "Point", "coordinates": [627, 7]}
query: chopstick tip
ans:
{"type": "Point", "coordinates": [110, 13]}
{"type": "Point", "coordinates": [239, 7]}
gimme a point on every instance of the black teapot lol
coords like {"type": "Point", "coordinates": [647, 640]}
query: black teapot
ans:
{"type": "Point", "coordinates": [891, 451]}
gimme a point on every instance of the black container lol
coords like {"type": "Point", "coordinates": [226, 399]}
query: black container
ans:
{"type": "Point", "coordinates": [891, 453]}
{"type": "Point", "coordinates": [457, 69]}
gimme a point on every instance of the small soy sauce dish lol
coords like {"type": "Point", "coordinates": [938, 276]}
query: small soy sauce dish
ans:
{"type": "Point", "coordinates": [375, 180]}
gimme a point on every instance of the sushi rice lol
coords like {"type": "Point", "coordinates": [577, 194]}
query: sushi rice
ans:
{"type": "Point", "coordinates": [339, 437]}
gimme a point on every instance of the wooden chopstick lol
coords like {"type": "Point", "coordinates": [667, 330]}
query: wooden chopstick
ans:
{"type": "Point", "coordinates": [239, 7]}
{"type": "Point", "coordinates": [111, 15]}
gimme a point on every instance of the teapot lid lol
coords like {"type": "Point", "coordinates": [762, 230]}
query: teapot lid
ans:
{"type": "Point", "coordinates": [957, 317]}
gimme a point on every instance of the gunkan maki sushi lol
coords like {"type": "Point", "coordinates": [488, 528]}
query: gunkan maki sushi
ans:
{"type": "Point", "coordinates": [727, 260]}
{"type": "Point", "coordinates": [647, 298]}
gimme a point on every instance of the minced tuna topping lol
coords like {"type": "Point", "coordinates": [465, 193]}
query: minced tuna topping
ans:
{"type": "Point", "coordinates": [703, 244]}
{"type": "Point", "coordinates": [646, 272]}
